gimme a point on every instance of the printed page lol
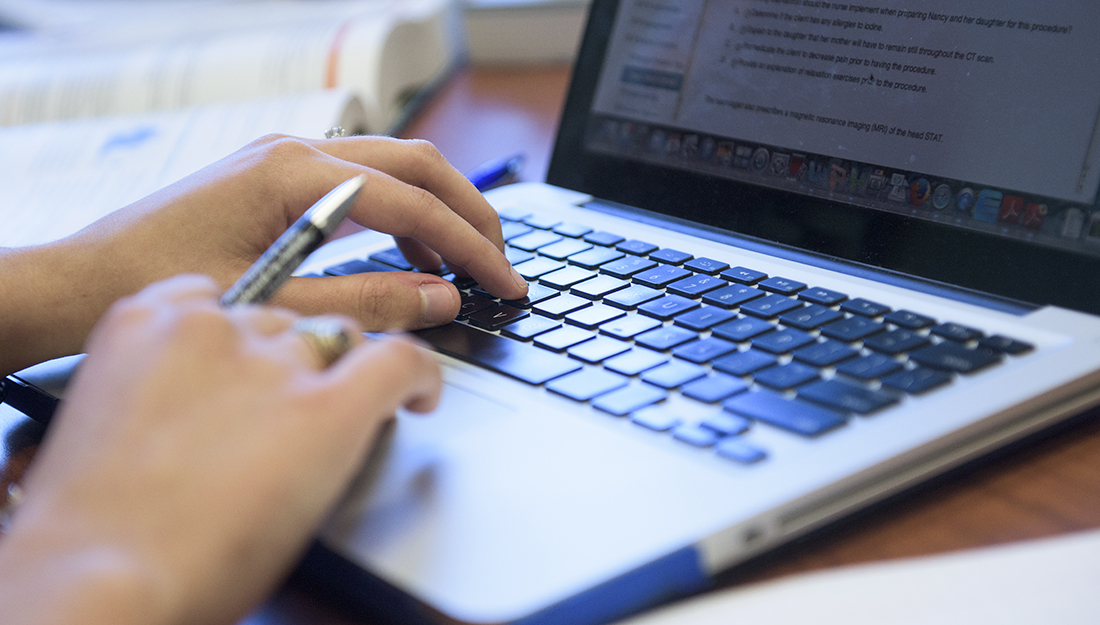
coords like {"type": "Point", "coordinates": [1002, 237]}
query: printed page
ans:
{"type": "Point", "coordinates": [179, 57]}
{"type": "Point", "coordinates": [58, 177]}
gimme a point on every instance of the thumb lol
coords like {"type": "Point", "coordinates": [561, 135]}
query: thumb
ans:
{"type": "Point", "coordinates": [378, 301]}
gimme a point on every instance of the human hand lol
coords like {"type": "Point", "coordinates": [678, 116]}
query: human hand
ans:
{"type": "Point", "coordinates": [219, 220]}
{"type": "Point", "coordinates": [196, 452]}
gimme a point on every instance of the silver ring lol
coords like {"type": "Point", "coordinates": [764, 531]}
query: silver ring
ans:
{"type": "Point", "coordinates": [328, 337]}
{"type": "Point", "coordinates": [335, 132]}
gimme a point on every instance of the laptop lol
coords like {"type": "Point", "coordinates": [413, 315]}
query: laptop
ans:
{"type": "Point", "coordinates": [791, 258]}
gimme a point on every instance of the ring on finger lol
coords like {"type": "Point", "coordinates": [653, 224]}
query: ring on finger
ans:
{"type": "Point", "coordinates": [335, 132]}
{"type": "Point", "coordinates": [328, 337]}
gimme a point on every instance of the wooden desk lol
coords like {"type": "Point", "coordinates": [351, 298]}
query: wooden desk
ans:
{"type": "Point", "coordinates": [1045, 488]}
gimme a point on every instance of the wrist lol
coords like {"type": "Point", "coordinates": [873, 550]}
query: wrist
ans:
{"type": "Point", "coordinates": [52, 296]}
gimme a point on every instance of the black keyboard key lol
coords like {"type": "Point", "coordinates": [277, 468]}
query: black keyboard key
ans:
{"type": "Point", "coordinates": [824, 297]}
{"type": "Point", "coordinates": [955, 358]}
{"type": "Point", "coordinates": [603, 238]}
{"type": "Point", "coordinates": [593, 258]}
{"type": "Point", "coordinates": [636, 247]}
{"type": "Point", "coordinates": [706, 265]}
{"type": "Point", "coordinates": [704, 350]}
{"type": "Point", "coordinates": [783, 286]}
{"type": "Point", "coordinates": [532, 269]}
{"type": "Point", "coordinates": [738, 450]}
{"type": "Point", "coordinates": [598, 349]}
{"type": "Point", "coordinates": [357, 266]}
{"type": "Point", "coordinates": [560, 306]}
{"type": "Point", "coordinates": [909, 320]}
{"type": "Point", "coordinates": [727, 424]}
{"type": "Point", "coordinates": [563, 249]}
{"type": "Point", "coordinates": [732, 296]}
{"type": "Point", "coordinates": [632, 296]}
{"type": "Point", "coordinates": [514, 214]}
{"type": "Point", "coordinates": [516, 256]}
{"type": "Point", "coordinates": [587, 384]}
{"type": "Point", "coordinates": [512, 358]}
{"type": "Point", "coordinates": [563, 338]}
{"type": "Point", "coordinates": [664, 338]}
{"type": "Point", "coordinates": [635, 361]}
{"type": "Point", "coordinates": [782, 341]}
{"type": "Point", "coordinates": [790, 414]}
{"type": "Point", "coordinates": [744, 275]}
{"type": "Point", "coordinates": [788, 376]}
{"type": "Point", "coordinates": [1005, 345]}
{"type": "Point", "coordinates": [825, 353]}
{"type": "Point", "coordinates": [846, 397]}
{"type": "Point", "coordinates": [916, 381]}
{"type": "Point", "coordinates": [670, 256]}
{"type": "Point", "coordinates": [744, 363]}
{"type": "Point", "coordinates": [869, 367]}
{"type": "Point", "coordinates": [535, 293]}
{"type": "Point", "coordinates": [695, 435]}
{"type": "Point", "coordinates": [541, 222]}
{"type": "Point", "coordinates": [594, 316]}
{"type": "Point", "coordinates": [667, 307]}
{"type": "Point", "coordinates": [529, 327]}
{"type": "Point", "coordinates": [704, 318]}
{"type": "Point", "coordinates": [598, 287]}
{"type": "Point", "coordinates": [956, 332]}
{"type": "Point", "coordinates": [696, 285]}
{"type": "Point", "coordinates": [572, 230]}
{"type": "Point", "coordinates": [896, 341]}
{"type": "Point", "coordinates": [629, 399]}
{"type": "Point", "coordinates": [392, 257]}
{"type": "Point", "coordinates": [656, 418]}
{"type": "Point", "coordinates": [810, 317]}
{"type": "Point", "coordinates": [742, 329]}
{"type": "Point", "coordinates": [660, 276]}
{"type": "Point", "coordinates": [534, 240]}
{"type": "Point", "coordinates": [851, 329]}
{"type": "Point", "coordinates": [627, 267]}
{"type": "Point", "coordinates": [714, 388]}
{"type": "Point", "coordinates": [512, 229]}
{"type": "Point", "coordinates": [472, 303]}
{"type": "Point", "coordinates": [629, 326]}
{"type": "Point", "coordinates": [496, 317]}
{"type": "Point", "coordinates": [866, 308]}
{"type": "Point", "coordinates": [566, 277]}
{"type": "Point", "coordinates": [673, 374]}
{"type": "Point", "coordinates": [769, 306]}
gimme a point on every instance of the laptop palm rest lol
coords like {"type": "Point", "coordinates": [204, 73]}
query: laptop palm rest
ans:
{"type": "Point", "coordinates": [490, 512]}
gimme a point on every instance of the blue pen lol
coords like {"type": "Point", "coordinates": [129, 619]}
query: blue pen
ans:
{"type": "Point", "coordinates": [495, 172]}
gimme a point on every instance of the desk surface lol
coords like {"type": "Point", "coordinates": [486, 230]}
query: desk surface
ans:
{"type": "Point", "coordinates": [1044, 488]}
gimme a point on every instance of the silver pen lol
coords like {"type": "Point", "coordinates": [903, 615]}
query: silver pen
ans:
{"type": "Point", "coordinates": [272, 269]}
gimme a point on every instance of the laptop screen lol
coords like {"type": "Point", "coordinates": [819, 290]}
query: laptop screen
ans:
{"type": "Point", "coordinates": [921, 123]}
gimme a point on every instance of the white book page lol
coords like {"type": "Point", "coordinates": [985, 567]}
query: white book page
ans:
{"type": "Point", "coordinates": [1044, 581]}
{"type": "Point", "coordinates": [58, 177]}
{"type": "Point", "coordinates": [179, 57]}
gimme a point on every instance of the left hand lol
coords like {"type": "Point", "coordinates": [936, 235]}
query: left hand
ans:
{"type": "Point", "coordinates": [195, 455]}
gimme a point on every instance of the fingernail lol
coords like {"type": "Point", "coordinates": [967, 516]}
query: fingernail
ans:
{"type": "Point", "coordinates": [519, 280]}
{"type": "Point", "coordinates": [437, 304]}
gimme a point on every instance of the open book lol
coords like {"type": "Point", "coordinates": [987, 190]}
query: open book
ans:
{"type": "Point", "coordinates": [103, 102]}
{"type": "Point", "coordinates": [127, 57]}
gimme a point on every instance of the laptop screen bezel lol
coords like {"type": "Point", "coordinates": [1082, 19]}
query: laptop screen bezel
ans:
{"type": "Point", "coordinates": [997, 265]}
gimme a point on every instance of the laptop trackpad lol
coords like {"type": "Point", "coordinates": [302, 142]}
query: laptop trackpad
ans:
{"type": "Point", "coordinates": [489, 512]}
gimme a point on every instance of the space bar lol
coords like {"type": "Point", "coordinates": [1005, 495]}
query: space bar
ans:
{"type": "Point", "coordinates": [512, 358]}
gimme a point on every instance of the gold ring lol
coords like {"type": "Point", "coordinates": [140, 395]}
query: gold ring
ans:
{"type": "Point", "coordinates": [335, 132]}
{"type": "Point", "coordinates": [328, 337]}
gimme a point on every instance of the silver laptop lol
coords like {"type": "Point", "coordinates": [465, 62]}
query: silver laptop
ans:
{"type": "Point", "coordinates": [791, 258]}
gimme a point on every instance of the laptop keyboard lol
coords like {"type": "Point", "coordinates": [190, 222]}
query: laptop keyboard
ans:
{"type": "Point", "coordinates": [624, 324]}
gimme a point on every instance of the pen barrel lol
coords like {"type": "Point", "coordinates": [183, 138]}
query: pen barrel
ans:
{"type": "Point", "coordinates": [272, 269]}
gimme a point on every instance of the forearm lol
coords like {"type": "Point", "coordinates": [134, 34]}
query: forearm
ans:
{"type": "Point", "coordinates": [50, 297]}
